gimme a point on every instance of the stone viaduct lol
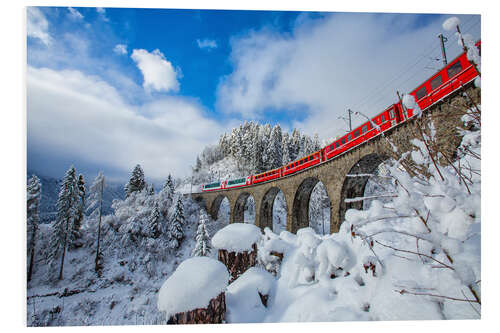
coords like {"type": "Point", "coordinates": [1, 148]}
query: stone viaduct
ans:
{"type": "Point", "coordinates": [336, 174]}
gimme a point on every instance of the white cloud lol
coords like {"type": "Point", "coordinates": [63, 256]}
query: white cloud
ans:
{"type": "Point", "coordinates": [158, 72]}
{"type": "Point", "coordinates": [75, 14]}
{"type": "Point", "coordinates": [37, 25]}
{"type": "Point", "coordinates": [325, 66]}
{"type": "Point", "coordinates": [207, 44]}
{"type": "Point", "coordinates": [120, 49]}
{"type": "Point", "coordinates": [102, 12]}
{"type": "Point", "coordinates": [72, 114]}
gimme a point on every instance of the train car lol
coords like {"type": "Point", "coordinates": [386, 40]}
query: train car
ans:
{"type": "Point", "coordinates": [268, 175]}
{"type": "Point", "coordinates": [240, 182]}
{"type": "Point", "coordinates": [214, 186]}
{"type": "Point", "coordinates": [456, 74]}
{"type": "Point", "coordinates": [303, 163]}
{"type": "Point", "coordinates": [380, 123]}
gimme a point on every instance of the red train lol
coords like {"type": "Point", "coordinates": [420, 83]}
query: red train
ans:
{"type": "Point", "coordinates": [456, 74]}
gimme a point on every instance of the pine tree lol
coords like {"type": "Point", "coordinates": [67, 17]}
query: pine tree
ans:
{"type": "Point", "coordinates": [67, 209]}
{"type": "Point", "coordinates": [295, 145]}
{"type": "Point", "coordinates": [176, 228]}
{"type": "Point", "coordinates": [154, 223]}
{"type": "Point", "coordinates": [202, 247]}
{"type": "Point", "coordinates": [34, 192]}
{"type": "Point", "coordinates": [274, 149]}
{"type": "Point", "coordinates": [285, 147]}
{"type": "Point", "coordinates": [95, 202]}
{"type": "Point", "coordinates": [136, 182]}
{"type": "Point", "coordinates": [166, 197]}
{"type": "Point", "coordinates": [80, 208]}
{"type": "Point", "coordinates": [197, 167]}
{"type": "Point", "coordinates": [151, 190]}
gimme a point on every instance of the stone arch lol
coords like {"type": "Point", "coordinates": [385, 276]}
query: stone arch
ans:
{"type": "Point", "coordinates": [320, 209]}
{"type": "Point", "coordinates": [354, 187]}
{"type": "Point", "coordinates": [238, 213]}
{"type": "Point", "coordinates": [201, 202]}
{"type": "Point", "coordinates": [214, 210]}
{"type": "Point", "coordinates": [300, 210]}
{"type": "Point", "coordinates": [266, 208]}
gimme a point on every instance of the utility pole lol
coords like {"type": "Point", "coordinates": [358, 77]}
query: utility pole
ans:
{"type": "Point", "coordinates": [350, 123]}
{"type": "Point", "coordinates": [443, 40]}
{"type": "Point", "coordinates": [345, 119]}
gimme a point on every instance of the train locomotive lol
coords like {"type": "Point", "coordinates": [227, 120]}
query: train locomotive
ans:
{"type": "Point", "coordinates": [455, 75]}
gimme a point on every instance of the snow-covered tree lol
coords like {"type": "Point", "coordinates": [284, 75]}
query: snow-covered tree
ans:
{"type": "Point", "coordinates": [67, 213]}
{"type": "Point", "coordinates": [202, 247]}
{"type": "Point", "coordinates": [34, 192]}
{"type": "Point", "coordinates": [154, 223]}
{"type": "Point", "coordinates": [136, 182]}
{"type": "Point", "coordinates": [95, 205]}
{"type": "Point", "coordinates": [80, 208]}
{"type": "Point", "coordinates": [166, 197]}
{"type": "Point", "coordinates": [274, 151]}
{"type": "Point", "coordinates": [176, 230]}
{"type": "Point", "coordinates": [285, 147]}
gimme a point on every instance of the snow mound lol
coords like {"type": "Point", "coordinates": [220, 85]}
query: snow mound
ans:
{"type": "Point", "coordinates": [193, 284]}
{"type": "Point", "coordinates": [243, 298]}
{"type": "Point", "coordinates": [451, 23]}
{"type": "Point", "coordinates": [237, 237]}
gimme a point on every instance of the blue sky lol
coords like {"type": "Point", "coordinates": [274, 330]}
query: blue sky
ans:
{"type": "Point", "coordinates": [110, 88]}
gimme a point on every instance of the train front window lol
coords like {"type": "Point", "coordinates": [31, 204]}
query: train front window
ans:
{"type": "Point", "coordinates": [421, 93]}
{"type": "Point", "coordinates": [436, 82]}
{"type": "Point", "coordinates": [454, 69]}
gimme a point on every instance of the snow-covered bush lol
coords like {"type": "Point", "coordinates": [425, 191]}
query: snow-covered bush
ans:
{"type": "Point", "coordinates": [432, 224]}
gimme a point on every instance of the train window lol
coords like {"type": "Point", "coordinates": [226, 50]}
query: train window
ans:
{"type": "Point", "coordinates": [454, 69]}
{"type": "Point", "coordinates": [337, 144]}
{"type": "Point", "coordinates": [301, 162]}
{"type": "Point", "coordinates": [391, 113]}
{"type": "Point", "coordinates": [436, 82]}
{"type": "Point", "coordinates": [382, 118]}
{"type": "Point", "coordinates": [356, 133]}
{"type": "Point", "coordinates": [364, 129]}
{"type": "Point", "coordinates": [421, 93]}
{"type": "Point", "coordinates": [342, 141]}
{"type": "Point", "coordinates": [296, 163]}
{"type": "Point", "coordinates": [349, 137]}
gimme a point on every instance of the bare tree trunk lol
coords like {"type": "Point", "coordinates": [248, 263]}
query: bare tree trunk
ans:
{"type": "Point", "coordinates": [99, 234]}
{"type": "Point", "coordinates": [32, 246]}
{"type": "Point", "coordinates": [64, 249]}
{"type": "Point", "coordinates": [32, 260]}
